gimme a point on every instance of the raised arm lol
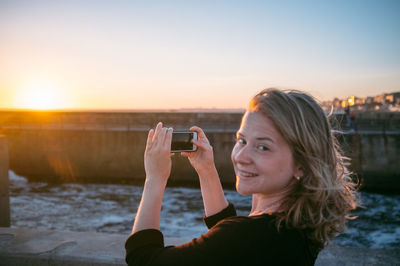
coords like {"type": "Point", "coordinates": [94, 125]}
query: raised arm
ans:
{"type": "Point", "coordinates": [203, 162]}
{"type": "Point", "coordinates": [157, 164]}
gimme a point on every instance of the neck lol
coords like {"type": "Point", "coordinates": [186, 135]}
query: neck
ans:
{"type": "Point", "coordinates": [264, 204]}
{"type": "Point", "coordinates": [268, 203]}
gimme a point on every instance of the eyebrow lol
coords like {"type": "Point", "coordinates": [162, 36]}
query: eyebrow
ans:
{"type": "Point", "coordinates": [265, 138]}
{"type": "Point", "coordinates": [260, 138]}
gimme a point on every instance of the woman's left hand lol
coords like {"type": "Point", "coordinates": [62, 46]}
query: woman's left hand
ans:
{"type": "Point", "coordinates": [203, 159]}
{"type": "Point", "coordinates": [157, 156]}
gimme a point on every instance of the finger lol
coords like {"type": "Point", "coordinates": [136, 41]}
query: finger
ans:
{"type": "Point", "coordinates": [200, 133]}
{"type": "Point", "coordinates": [161, 136]}
{"type": "Point", "coordinates": [149, 142]}
{"type": "Point", "coordinates": [168, 137]}
{"type": "Point", "coordinates": [197, 129]}
{"type": "Point", "coordinates": [184, 154]}
{"type": "Point", "coordinates": [201, 145]}
{"type": "Point", "coordinates": [157, 131]}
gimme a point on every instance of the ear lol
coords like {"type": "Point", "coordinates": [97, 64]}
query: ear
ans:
{"type": "Point", "coordinates": [298, 171]}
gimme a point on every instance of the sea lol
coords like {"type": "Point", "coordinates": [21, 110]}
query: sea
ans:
{"type": "Point", "coordinates": [111, 208]}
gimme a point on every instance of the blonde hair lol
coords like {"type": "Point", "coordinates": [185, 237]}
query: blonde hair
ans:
{"type": "Point", "coordinates": [322, 199]}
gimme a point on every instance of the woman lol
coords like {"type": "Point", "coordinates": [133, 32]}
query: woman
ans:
{"type": "Point", "coordinates": [287, 158]}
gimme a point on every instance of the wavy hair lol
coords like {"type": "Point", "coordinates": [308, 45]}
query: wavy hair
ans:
{"type": "Point", "coordinates": [321, 201]}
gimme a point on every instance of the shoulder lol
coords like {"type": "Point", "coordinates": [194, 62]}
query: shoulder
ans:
{"type": "Point", "coordinates": [256, 235]}
{"type": "Point", "coordinates": [260, 230]}
{"type": "Point", "coordinates": [246, 223]}
{"type": "Point", "coordinates": [260, 226]}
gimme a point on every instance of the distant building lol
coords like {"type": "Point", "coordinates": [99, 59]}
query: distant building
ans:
{"type": "Point", "coordinates": [359, 101]}
{"type": "Point", "coordinates": [380, 99]}
{"type": "Point", "coordinates": [385, 102]}
{"type": "Point", "coordinates": [389, 98]}
{"type": "Point", "coordinates": [351, 101]}
{"type": "Point", "coordinates": [369, 100]}
{"type": "Point", "coordinates": [396, 98]}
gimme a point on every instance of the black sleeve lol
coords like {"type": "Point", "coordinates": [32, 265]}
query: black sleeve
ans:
{"type": "Point", "coordinates": [147, 246]}
{"type": "Point", "coordinates": [144, 243]}
{"type": "Point", "coordinates": [235, 240]}
{"type": "Point", "coordinates": [213, 248]}
{"type": "Point", "coordinates": [212, 220]}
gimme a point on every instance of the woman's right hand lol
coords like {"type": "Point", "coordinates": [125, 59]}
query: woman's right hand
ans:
{"type": "Point", "coordinates": [157, 164]}
{"type": "Point", "coordinates": [157, 156]}
{"type": "Point", "coordinates": [202, 159]}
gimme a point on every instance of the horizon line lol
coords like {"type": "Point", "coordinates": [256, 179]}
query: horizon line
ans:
{"type": "Point", "coordinates": [124, 110]}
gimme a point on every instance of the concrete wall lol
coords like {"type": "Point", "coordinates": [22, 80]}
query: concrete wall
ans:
{"type": "Point", "coordinates": [374, 158]}
{"type": "Point", "coordinates": [4, 184]}
{"type": "Point", "coordinates": [108, 147]}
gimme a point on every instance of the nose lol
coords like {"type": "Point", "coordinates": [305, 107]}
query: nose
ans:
{"type": "Point", "coordinates": [241, 154]}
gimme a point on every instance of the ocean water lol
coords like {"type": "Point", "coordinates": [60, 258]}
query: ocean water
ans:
{"type": "Point", "coordinates": [112, 208]}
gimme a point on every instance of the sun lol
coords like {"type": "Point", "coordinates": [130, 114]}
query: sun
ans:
{"type": "Point", "coordinates": [39, 96]}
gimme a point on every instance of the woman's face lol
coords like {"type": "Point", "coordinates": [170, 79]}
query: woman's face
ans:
{"type": "Point", "coordinates": [262, 159]}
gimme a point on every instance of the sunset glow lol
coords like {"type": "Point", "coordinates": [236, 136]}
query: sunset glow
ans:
{"type": "Point", "coordinates": [39, 96]}
{"type": "Point", "coordinates": [192, 54]}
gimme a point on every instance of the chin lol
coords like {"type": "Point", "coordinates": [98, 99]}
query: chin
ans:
{"type": "Point", "coordinates": [242, 190]}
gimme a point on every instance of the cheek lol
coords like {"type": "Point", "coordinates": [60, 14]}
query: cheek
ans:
{"type": "Point", "coordinates": [278, 167]}
{"type": "Point", "coordinates": [285, 169]}
{"type": "Point", "coordinates": [233, 153]}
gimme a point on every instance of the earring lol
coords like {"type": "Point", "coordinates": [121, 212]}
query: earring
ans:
{"type": "Point", "coordinates": [297, 177]}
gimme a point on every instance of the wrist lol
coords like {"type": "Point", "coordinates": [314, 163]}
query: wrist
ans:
{"type": "Point", "coordinates": [208, 172]}
{"type": "Point", "coordinates": [155, 183]}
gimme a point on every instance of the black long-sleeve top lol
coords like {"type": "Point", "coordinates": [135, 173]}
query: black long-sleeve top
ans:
{"type": "Point", "coordinates": [231, 240]}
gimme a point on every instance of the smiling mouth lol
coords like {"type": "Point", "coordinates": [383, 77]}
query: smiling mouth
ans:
{"type": "Point", "coordinates": [245, 174]}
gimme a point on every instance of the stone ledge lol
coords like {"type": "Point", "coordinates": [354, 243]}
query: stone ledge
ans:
{"type": "Point", "coordinates": [23, 246]}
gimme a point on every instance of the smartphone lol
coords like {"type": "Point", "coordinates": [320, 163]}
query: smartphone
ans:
{"type": "Point", "coordinates": [182, 141]}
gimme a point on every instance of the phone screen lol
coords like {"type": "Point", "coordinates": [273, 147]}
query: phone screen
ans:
{"type": "Point", "coordinates": [182, 141]}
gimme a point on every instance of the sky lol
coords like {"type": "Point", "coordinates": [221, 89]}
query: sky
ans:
{"type": "Point", "coordinates": [111, 55]}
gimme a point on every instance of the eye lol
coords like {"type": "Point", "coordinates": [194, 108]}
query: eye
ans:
{"type": "Point", "coordinates": [240, 141]}
{"type": "Point", "coordinates": [262, 148]}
